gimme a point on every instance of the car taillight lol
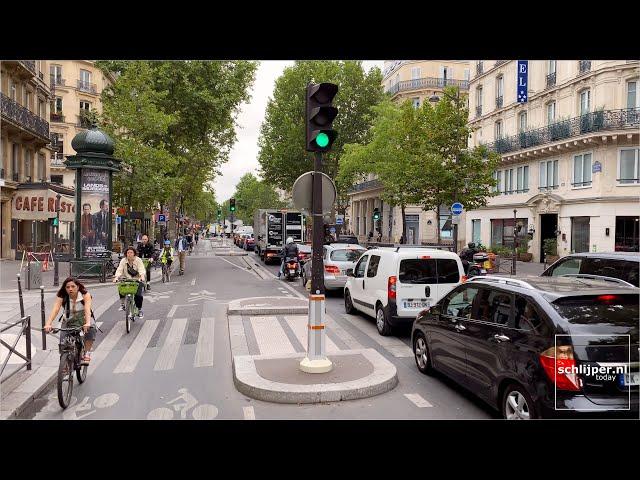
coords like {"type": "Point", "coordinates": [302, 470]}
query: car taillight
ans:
{"type": "Point", "coordinates": [464, 278]}
{"type": "Point", "coordinates": [331, 269]}
{"type": "Point", "coordinates": [291, 265]}
{"type": "Point", "coordinates": [558, 363]}
{"type": "Point", "coordinates": [607, 298]}
{"type": "Point", "coordinates": [391, 288]}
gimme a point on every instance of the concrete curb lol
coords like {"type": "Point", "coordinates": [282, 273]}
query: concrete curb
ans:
{"type": "Point", "coordinates": [247, 381]}
{"type": "Point", "coordinates": [235, 307]}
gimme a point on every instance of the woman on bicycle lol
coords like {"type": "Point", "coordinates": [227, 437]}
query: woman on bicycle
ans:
{"type": "Point", "coordinates": [131, 267]}
{"type": "Point", "coordinates": [76, 301]}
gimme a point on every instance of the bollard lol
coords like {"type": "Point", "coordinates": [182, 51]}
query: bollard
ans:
{"type": "Point", "coordinates": [28, 340]}
{"type": "Point", "coordinates": [44, 335]}
{"type": "Point", "coordinates": [20, 295]}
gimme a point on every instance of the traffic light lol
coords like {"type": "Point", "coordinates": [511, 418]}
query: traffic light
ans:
{"type": "Point", "coordinates": [55, 222]}
{"type": "Point", "coordinates": [319, 116]}
{"type": "Point", "coordinates": [219, 212]}
{"type": "Point", "coordinates": [232, 205]}
{"type": "Point", "coordinates": [376, 214]}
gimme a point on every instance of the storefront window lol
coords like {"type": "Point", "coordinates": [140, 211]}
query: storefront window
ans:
{"type": "Point", "coordinates": [502, 231]}
{"type": "Point", "coordinates": [627, 233]}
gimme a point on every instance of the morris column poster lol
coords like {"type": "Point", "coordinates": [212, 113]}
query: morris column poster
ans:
{"type": "Point", "coordinates": [95, 219]}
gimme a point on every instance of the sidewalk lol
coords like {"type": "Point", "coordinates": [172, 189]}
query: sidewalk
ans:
{"type": "Point", "coordinates": [523, 269]}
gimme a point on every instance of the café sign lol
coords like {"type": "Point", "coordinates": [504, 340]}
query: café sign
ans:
{"type": "Point", "coordinates": [41, 205]}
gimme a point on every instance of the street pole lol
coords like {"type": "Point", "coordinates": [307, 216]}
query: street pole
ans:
{"type": "Point", "coordinates": [56, 280]}
{"type": "Point", "coordinates": [316, 361]}
{"type": "Point", "coordinates": [513, 265]}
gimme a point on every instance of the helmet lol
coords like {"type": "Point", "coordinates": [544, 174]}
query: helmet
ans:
{"type": "Point", "coordinates": [289, 240]}
{"type": "Point", "coordinates": [471, 245]}
{"type": "Point", "coordinates": [167, 242]}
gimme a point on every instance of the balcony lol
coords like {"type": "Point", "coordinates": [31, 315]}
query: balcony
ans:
{"type": "Point", "coordinates": [551, 80]}
{"type": "Point", "coordinates": [57, 162]}
{"type": "Point", "coordinates": [26, 68]}
{"type": "Point", "coordinates": [365, 186]}
{"type": "Point", "coordinates": [479, 68]}
{"type": "Point", "coordinates": [602, 120]}
{"type": "Point", "coordinates": [499, 101]}
{"type": "Point", "coordinates": [23, 118]}
{"type": "Point", "coordinates": [584, 66]}
{"type": "Point", "coordinates": [57, 117]}
{"type": "Point", "coordinates": [57, 81]}
{"type": "Point", "coordinates": [427, 82]}
{"type": "Point", "coordinates": [479, 111]}
{"type": "Point", "coordinates": [87, 87]}
{"type": "Point", "coordinates": [500, 62]}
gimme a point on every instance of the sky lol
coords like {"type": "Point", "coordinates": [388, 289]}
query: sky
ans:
{"type": "Point", "coordinates": [244, 155]}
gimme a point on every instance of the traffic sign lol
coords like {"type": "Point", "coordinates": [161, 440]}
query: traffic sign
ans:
{"type": "Point", "coordinates": [301, 192]}
{"type": "Point", "coordinates": [457, 208]}
{"type": "Point", "coordinates": [162, 218]}
{"type": "Point", "coordinates": [332, 229]}
{"type": "Point", "coordinates": [339, 219]}
{"type": "Point", "coordinates": [455, 219]}
{"type": "Point", "coordinates": [118, 220]}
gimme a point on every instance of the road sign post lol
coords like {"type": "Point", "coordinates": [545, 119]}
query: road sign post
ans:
{"type": "Point", "coordinates": [456, 209]}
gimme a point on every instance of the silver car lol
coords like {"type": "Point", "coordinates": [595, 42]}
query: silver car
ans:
{"type": "Point", "coordinates": [337, 258]}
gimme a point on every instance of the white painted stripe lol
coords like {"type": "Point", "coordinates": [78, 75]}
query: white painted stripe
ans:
{"type": "Point", "coordinates": [134, 354]}
{"type": "Point", "coordinates": [342, 334]}
{"type": "Point", "coordinates": [249, 413]}
{"type": "Point", "coordinates": [300, 326]}
{"type": "Point", "coordinates": [107, 344]}
{"type": "Point", "coordinates": [172, 311]}
{"type": "Point", "coordinates": [99, 324]}
{"type": "Point", "coordinates": [193, 282]}
{"type": "Point", "coordinates": [270, 336]}
{"type": "Point", "coordinates": [394, 346]}
{"type": "Point", "coordinates": [417, 400]}
{"type": "Point", "coordinates": [204, 348]}
{"type": "Point", "coordinates": [169, 353]}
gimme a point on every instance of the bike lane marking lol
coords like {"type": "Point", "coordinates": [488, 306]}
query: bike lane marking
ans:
{"type": "Point", "coordinates": [169, 353]}
{"type": "Point", "coordinates": [249, 413]}
{"type": "Point", "coordinates": [417, 400]}
{"type": "Point", "coordinates": [204, 347]}
{"type": "Point", "coordinates": [130, 360]}
{"type": "Point", "coordinates": [106, 345]}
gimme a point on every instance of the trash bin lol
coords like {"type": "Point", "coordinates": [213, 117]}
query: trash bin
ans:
{"type": "Point", "coordinates": [34, 276]}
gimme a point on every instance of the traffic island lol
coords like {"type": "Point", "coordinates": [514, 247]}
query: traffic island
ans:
{"type": "Point", "coordinates": [277, 378]}
{"type": "Point", "coordinates": [269, 306]}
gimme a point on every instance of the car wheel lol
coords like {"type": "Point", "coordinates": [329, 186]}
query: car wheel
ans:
{"type": "Point", "coordinates": [422, 355]}
{"type": "Point", "coordinates": [382, 323]}
{"type": "Point", "coordinates": [348, 304]}
{"type": "Point", "coordinates": [517, 404]}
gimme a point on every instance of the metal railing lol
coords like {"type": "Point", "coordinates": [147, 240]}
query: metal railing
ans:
{"type": "Point", "coordinates": [479, 111]}
{"type": "Point", "coordinates": [500, 62]}
{"type": "Point", "coordinates": [25, 328]}
{"type": "Point", "coordinates": [584, 66]}
{"type": "Point", "coordinates": [428, 82]}
{"type": "Point", "coordinates": [590, 122]}
{"type": "Point", "coordinates": [22, 116]}
{"type": "Point", "coordinates": [551, 79]}
{"type": "Point", "coordinates": [479, 68]}
{"type": "Point", "coordinates": [30, 65]}
{"type": "Point", "coordinates": [365, 185]}
{"type": "Point", "coordinates": [87, 87]}
{"type": "Point", "coordinates": [57, 117]}
{"type": "Point", "coordinates": [499, 101]}
{"type": "Point", "coordinates": [57, 81]}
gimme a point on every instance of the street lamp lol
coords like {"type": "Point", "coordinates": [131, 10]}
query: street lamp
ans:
{"type": "Point", "coordinates": [56, 280]}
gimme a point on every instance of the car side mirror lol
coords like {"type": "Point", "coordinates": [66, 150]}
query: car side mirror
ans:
{"type": "Point", "coordinates": [350, 272]}
{"type": "Point", "coordinates": [435, 310]}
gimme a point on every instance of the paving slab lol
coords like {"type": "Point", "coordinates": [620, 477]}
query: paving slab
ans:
{"type": "Point", "coordinates": [268, 306]}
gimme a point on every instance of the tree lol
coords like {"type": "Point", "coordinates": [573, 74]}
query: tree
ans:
{"type": "Point", "coordinates": [252, 194]}
{"type": "Point", "coordinates": [282, 154]}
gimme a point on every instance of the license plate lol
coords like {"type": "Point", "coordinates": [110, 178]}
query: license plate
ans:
{"type": "Point", "coordinates": [482, 270]}
{"type": "Point", "coordinates": [424, 304]}
{"type": "Point", "coordinates": [292, 271]}
{"type": "Point", "coordinates": [631, 379]}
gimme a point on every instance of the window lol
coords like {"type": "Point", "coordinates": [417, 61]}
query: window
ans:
{"type": "Point", "coordinates": [57, 179]}
{"type": "Point", "coordinates": [570, 266]}
{"type": "Point", "coordinates": [85, 106]}
{"type": "Point", "coordinates": [360, 267]}
{"type": "Point", "coordinates": [41, 108]}
{"type": "Point", "coordinates": [492, 306]}
{"type": "Point", "coordinates": [85, 77]}
{"type": "Point", "coordinates": [56, 74]}
{"type": "Point", "coordinates": [551, 112]}
{"type": "Point", "coordinates": [42, 168]}
{"type": "Point", "coordinates": [415, 101]}
{"type": "Point", "coordinates": [582, 170]}
{"type": "Point", "coordinates": [523, 179]}
{"type": "Point", "coordinates": [499, 91]}
{"type": "Point", "coordinates": [372, 270]}
{"type": "Point", "coordinates": [526, 316]}
{"type": "Point", "coordinates": [627, 235]}
{"type": "Point", "coordinates": [479, 98]}
{"type": "Point", "coordinates": [580, 234]}
{"type": "Point", "coordinates": [498, 130]}
{"type": "Point", "coordinates": [498, 177]}
{"type": "Point", "coordinates": [548, 174]}
{"type": "Point", "coordinates": [458, 304]}
{"type": "Point", "coordinates": [628, 165]}
{"type": "Point", "coordinates": [26, 94]}
{"type": "Point", "coordinates": [15, 166]}
{"type": "Point", "coordinates": [28, 163]}
{"type": "Point", "coordinates": [585, 101]}
{"type": "Point", "coordinates": [350, 255]}
{"type": "Point", "coordinates": [551, 67]}
{"type": "Point", "coordinates": [447, 271]}
{"type": "Point", "coordinates": [58, 106]}
{"type": "Point", "coordinates": [467, 74]}
{"type": "Point", "coordinates": [522, 121]}
{"type": "Point", "coordinates": [415, 73]}
{"type": "Point", "coordinates": [418, 271]}
{"type": "Point", "coordinates": [13, 91]}
{"type": "Point", "coordinates": [502, 231]}
{"type": "Point", "coordinates": [632, 95]}
{"type": "Point", "coordinates": [475, 231]}
{"type": "Point", "coordinates": [508, 181]}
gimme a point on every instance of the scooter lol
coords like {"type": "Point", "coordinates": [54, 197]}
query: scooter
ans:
{"type": "Point", "coordinates": [474, 260]}
{"type": "Point", "coordinates": [291, 268]}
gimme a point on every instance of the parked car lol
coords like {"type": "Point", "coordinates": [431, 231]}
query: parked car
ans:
{"type": "Point", "coordinates": [350, 239]}
{"type": "Point", "coordinates": [304, 253]}
{"type": "Point", "coordinates": [337, 258]}
{"type": "Point", "coordinates": [506, 339]}
{"type": "Point", "coordinates": [623, 266]}
{"type": "Point", "coordinates": [394, 284]}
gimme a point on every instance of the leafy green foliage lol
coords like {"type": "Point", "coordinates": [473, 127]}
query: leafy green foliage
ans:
{"type": "Point", "coordinates": [252, 194]}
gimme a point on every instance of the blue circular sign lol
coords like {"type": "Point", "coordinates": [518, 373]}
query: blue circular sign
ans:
{"type": "Point", "coordinates": [457, 208]}
{"type": "Point", "coordinates": [332, 229]}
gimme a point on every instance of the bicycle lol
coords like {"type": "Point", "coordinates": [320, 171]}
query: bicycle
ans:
{"type": "Point", "coordinates": [71, 350]}
{"type": "Point", "coordinates": [166, 272]}
{"type": "Point", "coordinates": [129, 288]}
{"type": "Point", "coordinates": [148, 263]}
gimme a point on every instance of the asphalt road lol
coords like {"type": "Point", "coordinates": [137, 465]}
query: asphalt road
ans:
{"type": "Point", "coordinates": [176, 363]}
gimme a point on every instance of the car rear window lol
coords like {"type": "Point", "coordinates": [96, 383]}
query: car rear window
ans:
{"type": "Point", "coordinates": [350, 255]}
{"type": "Point", "coordinates": [448, 271]}
{"type": "Point", "coordinates": [596, 309]}
{"type": "Point", "coordinates": [626, 270]}
{"type": "Point", "coordinates": [431, 270]}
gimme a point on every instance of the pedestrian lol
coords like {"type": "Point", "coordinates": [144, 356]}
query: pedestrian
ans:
{"type": "Point", "coordinates": [370, 236]}
{"type": "Point", "coordinates": [182, 247]}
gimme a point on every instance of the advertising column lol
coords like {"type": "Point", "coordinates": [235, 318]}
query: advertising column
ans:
{"type": "Point", "coordinates": [95, 219]}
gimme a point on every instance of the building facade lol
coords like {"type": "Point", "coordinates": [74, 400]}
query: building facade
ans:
{"type": "Point", "coordinates": [24, 148]}
{"type": "Point", "coordinates": [417, 80]}
{"type": "Point", "coordinates": [569, 154]}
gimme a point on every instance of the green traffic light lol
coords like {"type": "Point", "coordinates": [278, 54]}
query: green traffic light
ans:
{"type": "Point", "coordinates": [322, 140]}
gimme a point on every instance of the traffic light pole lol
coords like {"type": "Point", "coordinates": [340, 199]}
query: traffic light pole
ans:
{"type": "Point", "coordinates": [316, 361]}
{"type": "Point", "coordinates": [56, 279]}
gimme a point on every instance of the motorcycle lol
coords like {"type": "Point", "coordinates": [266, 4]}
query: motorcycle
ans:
{"type": "Point", "coordinates": [474, 260]}
{"type": "Point", "coordinates": [291, 268]}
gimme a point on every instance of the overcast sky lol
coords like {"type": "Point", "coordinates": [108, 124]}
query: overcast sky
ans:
{"type": "Point", "coordinates": [244, 156]}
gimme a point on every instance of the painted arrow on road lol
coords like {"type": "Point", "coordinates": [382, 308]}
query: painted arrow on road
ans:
{"type": "Point", "coordinates": [155, 296]}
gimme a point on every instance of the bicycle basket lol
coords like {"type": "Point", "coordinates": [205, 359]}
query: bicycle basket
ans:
{"type": "Point", "coordinates": [127, 288]}
{"type": "Point", "coordinates": [146, 262]}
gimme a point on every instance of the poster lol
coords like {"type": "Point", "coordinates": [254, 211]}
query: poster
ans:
{"type": "Point", "coordinates": [95, 216]}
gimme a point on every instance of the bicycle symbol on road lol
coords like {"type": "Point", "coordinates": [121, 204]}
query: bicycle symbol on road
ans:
{"type": "Point", "coordinates": [200, 412]}
{"type": "Point", "coordinates": [105, 400]}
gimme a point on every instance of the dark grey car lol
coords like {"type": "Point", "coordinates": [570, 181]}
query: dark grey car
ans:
{"type": "Point", "coordinates": [623, 266]}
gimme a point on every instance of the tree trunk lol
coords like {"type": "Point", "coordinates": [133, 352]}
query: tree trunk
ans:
{"type": "Point", "coordinates": [171, 224]}
{"type": "Point", "coordinates": [437, 210]}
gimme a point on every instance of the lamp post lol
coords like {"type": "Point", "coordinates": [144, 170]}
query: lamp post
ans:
{"type": "Point", "coordinates": [56, 280]}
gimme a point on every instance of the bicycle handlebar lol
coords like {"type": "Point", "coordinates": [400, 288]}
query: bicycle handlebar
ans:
{"type": "Point", "coordinates": [71, 329]}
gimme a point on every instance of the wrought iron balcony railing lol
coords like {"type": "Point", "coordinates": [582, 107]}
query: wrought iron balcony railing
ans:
{"type": "Point", "coordinates": [500, 62]}
{"type": "Point", "coordinates": [87, 87]}
{"type": "Point", "coordinates": [479, 111]}
{"type": "Point", "coordinates": [499, 101]}
{"type": "Point", "coordinates": [551, 79]}
{"type": "Point", "coordinates": [584, 66]}
{"type": "Point", "coordinates": [602, 120]}
{"type": "Point", "coordinates": [23, 117]}
{"type": "Point", "coordinates": [30, 64]}
{"type": "Point", "coordinates": [57, 81]}
{"type": "Point", "coordinates": [365, 186]}
{"type": "Point", "coordinates": [428, 82]}
{"type": "Point", "coordinates": [479, 68]}
{"type": "Point", "coordinates": [57, 117]}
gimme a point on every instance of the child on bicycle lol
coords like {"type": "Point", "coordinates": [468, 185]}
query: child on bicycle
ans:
{"type": "Point", "coordinates": [131, 267]}
{"type": "Point", "coordinates": [76, 301]}
{"type": "Point", "coordinates": [167, 253]}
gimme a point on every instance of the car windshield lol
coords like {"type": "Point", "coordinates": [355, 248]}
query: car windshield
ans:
{"type": "Point", "coordinates": [599, 309]}
{"type": "Point", "coordinates": [347, 255]}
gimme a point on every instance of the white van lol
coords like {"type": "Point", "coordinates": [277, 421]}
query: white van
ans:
{"type": "Point", "coordinates": [394, 284]}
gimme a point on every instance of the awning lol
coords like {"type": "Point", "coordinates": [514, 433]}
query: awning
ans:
{"type": "Point", "coordinates": [41, 205]}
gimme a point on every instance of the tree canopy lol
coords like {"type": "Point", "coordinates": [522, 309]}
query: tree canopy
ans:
{"type": "Point", "coordinates": [252, 194]}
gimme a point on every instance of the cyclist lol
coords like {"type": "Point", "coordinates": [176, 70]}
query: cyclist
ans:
{"type": "Point", "coordinates": [167, 253]}
{"type": "Point", "coordinates": [146, 250]}
{"type": "Point", "coordinates": [197, 236]}
{"type": "Point", "coordinates": [76, 301]}
{"type": "Point", "coordinates": [131, 267]}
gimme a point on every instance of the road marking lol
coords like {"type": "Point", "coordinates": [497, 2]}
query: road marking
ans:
{"type": "Point", "coordinates": [300, 326]}
{"type": "Point", "coordinates": [249, 413]}
{"type": "Point", "coordinates": [99, 324]}
{"type": "Point", "coordinates": [204, 348]}
{"type": "Point", "coordinates": [134, 354]}
{"type": "Point", "coordinates": [270, 336]}
{"type": "Point", "coordinates": [168, 354]}
{"type": "Point", "coordinates": [417, 400]}
{"type": "Point", "coordinates": [193, 282]}
{"type": "Point", "coordinates": [172, 312]}
{"type": "Point", "coordinates": [394, 346]}
{"type": "Point", "coordinates": [107, 344]}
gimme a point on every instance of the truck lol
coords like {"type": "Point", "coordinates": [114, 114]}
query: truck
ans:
{"type": "Point", "coordinates": [272, 228]}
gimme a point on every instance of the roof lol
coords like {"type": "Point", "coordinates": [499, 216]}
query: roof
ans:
{"type": "Point", "coordinates": [344, 245]}
{"type": "Point", "coordinates": [612, 255]}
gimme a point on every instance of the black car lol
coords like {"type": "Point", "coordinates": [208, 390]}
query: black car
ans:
{"type": "Point", "coordinates": [540, 347]}
{"type": "Point", "coordinates": [623, 266]}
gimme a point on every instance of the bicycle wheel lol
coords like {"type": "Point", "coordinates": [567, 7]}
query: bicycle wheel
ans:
{"type": "Point", "coordinates": [127, 313]}
{"type": "Point", "coordinates": [81, 370]}
{"type": "Point", "coordinates": [65, 379]}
